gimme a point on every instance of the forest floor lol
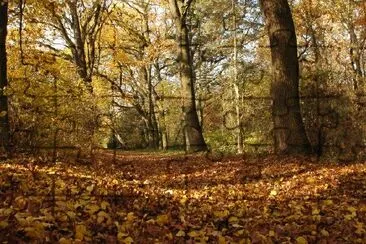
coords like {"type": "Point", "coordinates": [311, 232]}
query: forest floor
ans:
{"type": "Point", "coordinates": [149, 198]}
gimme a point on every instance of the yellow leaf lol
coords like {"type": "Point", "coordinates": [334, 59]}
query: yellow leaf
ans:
{"type": "Point", "coordinates": [121, 235]}
{"type": "Point", "coordinates": [193, 234]}
{"type": "Point", "coordinates": [183, 200]}
{"type": "Point", "coordinates": [273, 193]}
{"type": "Point", "coordinates": [245, 241]}
{"type": "Point", "coordinates": [80, 232]}
{"type": "Point", "coordinates": [6, 211]}
{"type": "Point", "coordinates": [359, 228]}
{"type": "Point", "coordinates": [324, 232]}
{"type": "Point", "coordinates": [310, 180]}
{"type": "Point", "coordinates": [239, 233]}
{"type": "Point", "coordinates": [100, 219]}
{"type": "Point", "coordinates": [103, 214]}
{"type": "Point", "coordinates": [181, 233]}
{"type": "Point", "coordinates": [169, 236]}
{"type": "Point", "coordinates": [233, 220]}
{"type": "Point", "coordinates": [221, 240]}
{"type": "Point", "coordinates": [301, 240]}
{"type": "Point", "coordinates": [3, 224]}
{"type": "Point", "coordinates": [92, 208]}
{"type": "Point", "coordinates": [104, 205]}
{"type": "Point", "coordinates": [20, 203]}
{"type": "Point", "coordinates": [71, 214]}
{"type": "Point", "coordinates": [128, 240]}
{"type": "Point", "coordinates": [130, 217]}
{"type": "Point", "coordinates": [150, 221]}
{"type": "Point", "coordinates": [328, 202]}
{"type": "Point", "coordinates": [90, 188]}
{"type": "Point", "coordinates": [33, 232]}
{"type": "Point", "coordinates": [221, 214]}
{"type": "Point", "coordinates": [162, 219]}
{"type": "Point", "coordinates": [352, 210]}
{"type": "Point", "coordinates": [63, 240]}
{"type": "Point", "coordinates": [271, 233]}
{"type": "Point", "coordinates": [349, 216]}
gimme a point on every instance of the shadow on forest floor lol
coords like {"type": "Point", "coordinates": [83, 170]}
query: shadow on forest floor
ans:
{"type": "Point", "coordinates": [178, 199]}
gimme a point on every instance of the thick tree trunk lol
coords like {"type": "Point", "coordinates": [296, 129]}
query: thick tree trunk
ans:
{"type": "Point", "coordinates": [289, 131]}
{"type": "Point", "coordinates": [4, 119]}
{"type": "Point", "coordinates": [78, 48]}
{"type": "Point", "coordinates": [192, 130]}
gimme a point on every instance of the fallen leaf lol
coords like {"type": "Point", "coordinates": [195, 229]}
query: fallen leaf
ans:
{"type": "Point", "coordinates": [80, 232]}
{"type": "Point", "coordinates": [162, 219]}
{"type": "Point", "coordinates": [301, 240]}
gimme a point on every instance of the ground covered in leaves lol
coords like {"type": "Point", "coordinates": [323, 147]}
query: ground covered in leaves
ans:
{"type": "Point", "coordinates": [183, 199]}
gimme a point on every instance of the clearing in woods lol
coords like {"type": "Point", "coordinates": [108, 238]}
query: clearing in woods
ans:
{"type": "Point", "coordinates": [178, 199]}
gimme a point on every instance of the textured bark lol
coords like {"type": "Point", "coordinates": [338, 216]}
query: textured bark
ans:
{"type": "Point", "coordinates": [194, 140]}
{"type": "Point", "coordinates": [239, 130]}
{"type": "Point", "coordinates": [77, 49]}
{"type": "Point", "coordinates": [4, 119]}
{"type": "Point", "coordinates": [80, 31]}
{"type": "Point", "coordinates": [289, 131]}
{"type": "Point", "coordinates": [356, 57]}
{"type": "Point", "coordinates": [153, 132]}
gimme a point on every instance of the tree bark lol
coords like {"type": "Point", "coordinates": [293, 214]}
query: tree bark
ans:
{"type": "Point", "coordinates": [192, 130]}
{"type": "Point", "coordinates": [4, 119]}
{"type": "Point", "coordinates": [355, 55]}
{"type": "Point", "coordinates": [239, 130]}
{"type": "Point", "coordinates": [289, 131]}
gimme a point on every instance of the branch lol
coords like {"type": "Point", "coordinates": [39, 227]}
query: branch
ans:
{"type": "Point", "coordinates": [185, 9]}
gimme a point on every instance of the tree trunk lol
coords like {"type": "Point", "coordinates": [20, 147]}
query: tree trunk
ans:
{"type": "Point", "coordinates": [152, 123]}
{"type": "Point", "coordinates": [289, 131]}
{"type": "Point", "coordinates": [239, 130]}
{"type": "Point", "coordinates": [355, 55]}
{"type": "Point", "coordinates": [192, 130]}
{"type": "Point", "coordinates": [161, 118]}
{"type": "Point", "coordinates": [78, 49]}
{"type": "Point", "coordinates": [4, 119]}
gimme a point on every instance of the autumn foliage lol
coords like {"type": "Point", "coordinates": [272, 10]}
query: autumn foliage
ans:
{"type": "Point", "coordinates": [183, 199]}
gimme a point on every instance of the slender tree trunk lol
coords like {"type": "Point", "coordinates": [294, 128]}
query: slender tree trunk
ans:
{"type": "Point", "coordinates": [4, 119]}
{"type": "Point", "coordinates": [152, 121]}
{"type": "Point", "coordinates": [318, 77]}
{"type": "Point", "coordinates": [153, 126]}
{"type": "Point", "coordinates": [192, 130]}
{"type": "Point", "coordinates": [239, 132]}
{"type": "Point", "coordinates": [289, 131]}
{"type": "Point", "coordinates": [161, 119]}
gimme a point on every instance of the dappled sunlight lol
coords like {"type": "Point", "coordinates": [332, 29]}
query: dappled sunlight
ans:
{"type": "Point", "coordinates": [192, 199]}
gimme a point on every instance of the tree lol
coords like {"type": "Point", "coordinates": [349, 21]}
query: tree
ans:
{"type": "Point", "coordinates": [130, 71]}
{"type": "Point", "coordinates": [351, 14]}
{"type": "Point", "coordinates": [192, 129]}
{"type": "Point", "coordinates": [4, 119]}
{"type": "Point", "coordinates": [78, 24]}
{"type": "Point", "coordinates": [289, 131]}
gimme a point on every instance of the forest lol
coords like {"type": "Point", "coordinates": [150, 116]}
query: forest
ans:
{"type": "Point", "coordinates": [183, 121]}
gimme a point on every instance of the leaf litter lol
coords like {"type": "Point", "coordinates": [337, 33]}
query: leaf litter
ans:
{"type": "Point", "coordinates": [183, 199]}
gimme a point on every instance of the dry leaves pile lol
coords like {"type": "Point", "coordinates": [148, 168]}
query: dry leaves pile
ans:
{"type": "Point", "coordinates": [149, 199]}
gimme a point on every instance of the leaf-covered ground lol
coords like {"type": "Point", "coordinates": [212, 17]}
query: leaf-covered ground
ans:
{"type": "Point", "coordinates": [164, 199]}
